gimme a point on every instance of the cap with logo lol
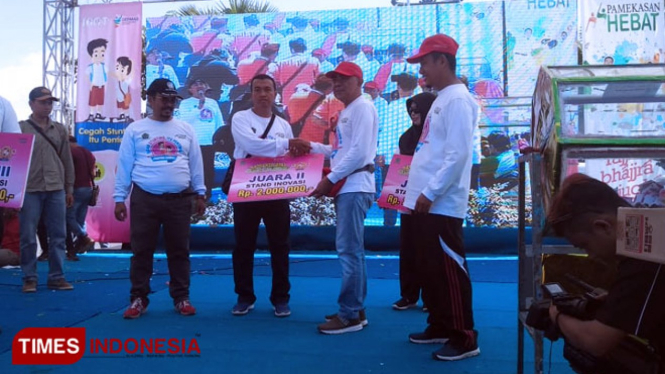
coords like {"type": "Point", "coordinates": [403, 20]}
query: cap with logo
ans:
{"type": "Point", "coordinates": [163, 87]}
{"type": "Point", "coordinates": [347, 69]}
{"type": "Point", "coordinates": [436, 43]}
{"type": "Point", "coordinates": [41, 94]}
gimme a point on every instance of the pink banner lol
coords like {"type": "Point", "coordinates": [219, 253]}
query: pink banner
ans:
{"type": "Point", "coordinates": [109, 70]}
{"type": "Point", "coordinates": [394, 188]}
{"type": "Point", "coordinates": [100, 222]}
{"type": "Point", "coordinates": [15, 155]}
{"type": "Point", "coordinates": [262, 178]}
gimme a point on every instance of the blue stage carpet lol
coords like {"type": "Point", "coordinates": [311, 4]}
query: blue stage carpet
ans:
{"type": "Point", "coordinates": [260, 342]}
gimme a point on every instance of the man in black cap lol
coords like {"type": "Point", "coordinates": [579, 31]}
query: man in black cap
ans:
{"type": "Point", "coordinates": [48, 193]}
{"type": "Point", "coordinates": [160, 158]}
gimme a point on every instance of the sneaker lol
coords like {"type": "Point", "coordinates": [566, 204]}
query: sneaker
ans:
{"type": "Point", "coordinates": [403, 304]}
{"type": "Point", "coordinates": [240, 309]}
{"type": "Point", "coordinates": [427, 337]}
{"type": "Point", "coordinates": [449, 352]}
{"type": "Point", "coordinates": [362, 316]}
{"type": "Point", "coordinates": [135, 310]}
{"type": "Point", "coordinates": [29, 286]}
{"type": "Point", "coordinates": [282, 310]}
{"type": "Point", "coordinates": [84, 244]}
{"type": "Point", "coordinates": [59, 285]}
{"type": "Point", "coordinates": [337, 326]}
{"type": "Point", "coordinates": [185, 308]}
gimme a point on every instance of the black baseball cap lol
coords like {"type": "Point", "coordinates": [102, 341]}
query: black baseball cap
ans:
{"type": "Point", "coordinates": [41, 94]}
{"type": "Point", "coordinates": [163, 87]}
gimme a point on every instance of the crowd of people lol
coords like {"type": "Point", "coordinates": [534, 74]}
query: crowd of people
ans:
{"type": "Point", "coordinates": [162, 172]}
{"type": "Point", "coordinates": [211, 67]}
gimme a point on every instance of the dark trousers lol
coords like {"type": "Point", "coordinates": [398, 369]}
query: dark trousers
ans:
{"type": "Point", "coordinates": [409, 281]}
{"type": "Point", "coordinates": [149, 213]}
{"type": "Point", "coordinates": [208, 156]}
{"type": "Point", "coordinates": [276, 216]}
{"type": "Point", "coordinates": [439, 245]}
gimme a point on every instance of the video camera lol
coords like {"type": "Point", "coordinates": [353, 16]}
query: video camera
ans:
{"type": "Point", "coordinates": [582, 307]}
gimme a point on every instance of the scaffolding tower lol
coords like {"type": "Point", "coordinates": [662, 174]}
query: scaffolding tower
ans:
{"type": "Point", "coordinates": [58, 57]}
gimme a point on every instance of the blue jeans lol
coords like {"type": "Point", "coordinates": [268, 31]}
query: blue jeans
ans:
{"type": "Point", "coordinates": [351, 209]}
{"type": "Point", "coordinates": [53, 206]}
{"type": "Point", "coordinates": [76, 214]}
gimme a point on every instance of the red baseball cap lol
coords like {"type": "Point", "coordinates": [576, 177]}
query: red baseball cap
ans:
{"type": "Point", "coordinates": [435, 43]}
{"type": "Point", "coordinates": [371, 85]}
{"type": "Point", "coordinates": [347, 69]}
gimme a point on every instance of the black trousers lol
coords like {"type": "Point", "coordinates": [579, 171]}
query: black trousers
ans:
{"type": "Point", "coordinates": [409, 281]}
{"type": "Point", "coordinates": [149, 213]}
{"type": "Point", "coordinates": [208, 156]}
{"type": "Point", "coordinates": [276, 216]}
{"type": "Point", "coordinates": [439, 245]}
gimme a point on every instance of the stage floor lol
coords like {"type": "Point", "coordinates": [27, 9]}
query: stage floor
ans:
{"type": "Point", "coordinates": [259, 342]}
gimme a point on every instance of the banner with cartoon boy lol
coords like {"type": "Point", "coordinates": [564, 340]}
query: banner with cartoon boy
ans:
{"type": "Point", "coordinates": [109, 98]}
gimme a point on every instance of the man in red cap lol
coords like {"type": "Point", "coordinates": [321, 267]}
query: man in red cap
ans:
{"type": "Point", "coordinates": [437, 194]}
{"type": "Point", "coordinates": [351, 157]}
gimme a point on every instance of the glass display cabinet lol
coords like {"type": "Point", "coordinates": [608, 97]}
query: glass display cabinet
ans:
{"type": "Point", "coordinates": [604, 121]}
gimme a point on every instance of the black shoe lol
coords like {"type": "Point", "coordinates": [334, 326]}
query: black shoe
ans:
{"type": "Point", "coordinates": [121, 117]}
{"type": "Point", "coordinates": [99, 116]}
{"type": "Point", "coordinates": [451, 352]}
{"type": "Point", "coordinates": [91, 118]}
{"type": "Point", "coordinates": [427, 337]}
{"type": "Point", "coordinates": [404, 304]}
{"type": "Point", "coordinates": [43, 257]}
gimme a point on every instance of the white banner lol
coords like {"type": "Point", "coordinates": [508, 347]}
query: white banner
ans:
{"type": "Point", "coordinates": [623, 31]}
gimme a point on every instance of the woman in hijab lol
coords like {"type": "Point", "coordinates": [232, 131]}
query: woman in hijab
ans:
{"type": "Point", "coordinates": [418, 107]}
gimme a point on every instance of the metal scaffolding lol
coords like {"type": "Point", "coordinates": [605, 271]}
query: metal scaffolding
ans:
{"type": "Point", "coordinates": [58, 57]}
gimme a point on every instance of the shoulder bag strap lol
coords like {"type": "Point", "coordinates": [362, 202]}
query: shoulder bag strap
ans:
{"type": "Point", "coordinates": [272, 120]}
{"type": "Point", "coordinates": [92, 178]}
{"type": "Point", "coordinates": [42, 133]}
{"type": "Point", "coordinates": [265, 133]}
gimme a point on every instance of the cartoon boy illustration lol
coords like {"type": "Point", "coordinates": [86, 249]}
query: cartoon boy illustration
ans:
{"type": "Point", "coordinates": [123, 69]}
{"type": "Point", "coordinates": [97, 73]}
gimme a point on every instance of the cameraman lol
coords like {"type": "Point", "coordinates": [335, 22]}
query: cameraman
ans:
{"type": "Point", "coordinates": [585, 213]}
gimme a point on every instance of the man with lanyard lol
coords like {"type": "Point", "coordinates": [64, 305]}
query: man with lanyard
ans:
{"type": "Point", "coordinates": [160, 158]}
{"type": "Point", "coordinates": [352, 157]}
{"type": "Point", "coordinates": [438, 197]}
{"type": "Point", "coordinates": [48, 193]}
{"type": "Point", "coordinates": [259, 132]}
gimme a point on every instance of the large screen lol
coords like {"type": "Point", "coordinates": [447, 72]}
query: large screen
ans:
{"type": "Point", "coordinates": [211, 59]}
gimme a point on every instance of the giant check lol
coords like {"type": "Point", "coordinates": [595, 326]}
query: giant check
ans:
{"type": "Point", "coordinates": [394, 188]}
{"type": "Point", "coordinates": [264, 178]}
{"type": "Point", "coordinates": [15, 156]}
